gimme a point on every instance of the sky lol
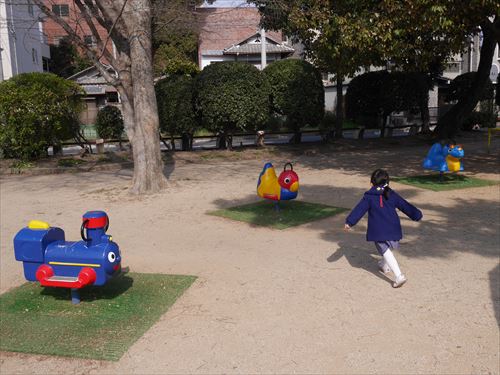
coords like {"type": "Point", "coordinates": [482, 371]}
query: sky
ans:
{"type": "Point", "coordinates": [227, 4]}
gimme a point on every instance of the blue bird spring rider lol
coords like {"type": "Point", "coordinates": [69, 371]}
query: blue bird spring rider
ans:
{"type": "Point", "coordinates": [54, 262]}
{"type": "Point", "coordinates": [445, 157]}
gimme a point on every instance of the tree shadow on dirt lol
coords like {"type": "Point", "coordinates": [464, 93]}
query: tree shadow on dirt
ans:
{"type": "Point", "coordinates": [35, 183]}
{"type": "Point", "coordinates": [464, 225]}
{"type": "Point", "coordinates": [408, 163]}
{"type": "Point", "coordinates": [494, 276]}
{"type": "Point", "coordinates": [446, 228]}
{"type": "Point", "coordinates": [169, 163]}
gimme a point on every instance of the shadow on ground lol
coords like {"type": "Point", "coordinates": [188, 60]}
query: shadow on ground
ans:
{"type": "Point", "coordinates": [467, 225]}
{"type": "Point", "coordinates": [109, 291]}
{"type": "Point", "coordinates": [495, 290]}
{"type": "Point", "coordinates": [358, 257]}
{"type": "Point", "coordinates": [364, 161]}
{"type": "Point", "coordinates": [169, 163]}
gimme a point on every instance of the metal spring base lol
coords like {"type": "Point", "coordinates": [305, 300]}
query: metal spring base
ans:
{"type": "Point", "coordinates": [75, 296]}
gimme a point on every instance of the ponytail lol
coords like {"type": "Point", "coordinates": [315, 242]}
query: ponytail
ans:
{"type": "Point", "coordinates": [380, 178]}
{"type": "Point", "coordinates": [387, 191]}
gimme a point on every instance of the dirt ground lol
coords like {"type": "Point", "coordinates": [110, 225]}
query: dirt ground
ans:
{"type": "Point", "coordinates": [307, 299]}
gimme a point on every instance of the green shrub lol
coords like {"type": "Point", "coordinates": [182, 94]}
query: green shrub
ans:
{"type": "Point", "coordinates": [275, 123]}
{"type": "Point", "coordinates": [231, 97]}
{"type": "Point", "coordinates": [372, 96]}
{"type": "Point", "coordinates": [169, 60]}
{"type": "Point", "coordinates": [348, 124]}
{"type": "Point", "coordinates": [175, 50]}
{"type": "Point", "coordinates": [66, 60]}
{"type": "Point", "coordinates": [483, 119]}
{"type": "Point", "coordinates": [174, 95]}
{"type": "Point", "coordinates": [461, 85]}
{"type": "Point", "coordinates": [21, 164]}
{"type": "Point", "coordinates": [70, 162]}
{"type": "Point", "coordinates": [297, 92]}
{"type": "Point", "coordinates": [109, 123]}
{"type": "Point", "coordinates": [37, 110]}
{"type": "Point", "coordinates": [460, 88]}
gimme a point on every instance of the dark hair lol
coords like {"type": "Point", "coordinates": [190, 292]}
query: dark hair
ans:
{"type": "Point", "coordinates": [380, 177]}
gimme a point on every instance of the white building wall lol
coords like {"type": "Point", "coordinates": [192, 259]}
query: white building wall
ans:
{"type": "Point", "coordinates": [22, 44]}
{"type": "Point", "coordinates": [208, 59]}
{"type": "Point", "coordinates": [255, 60]}
{"type": "Point", "coordinates": [5, 61]}
{"type": "Point", "coordinates": [468, 61]}
{"type": "Point", "coordinates": [495, 67]}
{"type": "Point", "coordinates": [331, 97]}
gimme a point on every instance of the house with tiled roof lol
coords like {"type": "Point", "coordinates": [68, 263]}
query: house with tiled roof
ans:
{"type": "Point", "coordinates": [98, 93]}
{"type": "Point", "coordinates": [234, 34]}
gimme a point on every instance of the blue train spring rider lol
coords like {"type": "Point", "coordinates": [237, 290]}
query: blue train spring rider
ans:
{"type": "Point", "coordinates": [54, 262]}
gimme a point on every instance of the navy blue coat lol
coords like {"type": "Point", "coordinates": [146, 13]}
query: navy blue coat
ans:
{"type": "Point", "coordinates": [383, 220]}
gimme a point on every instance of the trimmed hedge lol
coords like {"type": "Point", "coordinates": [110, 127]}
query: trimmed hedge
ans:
{"type": "Point", "coordinates": [109, 122]}
{"type": "Point", "coordinates": [174, 95]}
{"type": "Point", "coordinates": [37, 110]}
{"type": "Point", "coordinates": [486, 116]}
{"type": "Point", "coordinates": [376, 94]}
{"type": "Point", "coordinates": [461, 85]}
{"type": "Point", "coordinates": [231, 97]}
{"type": "Point", "coordinates": [297, 92]}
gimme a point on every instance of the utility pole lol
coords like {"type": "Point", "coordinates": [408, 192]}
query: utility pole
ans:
{"type": "Point", "coordinates": [1, 64]}
{"type": "Point", "coordinates": [263, 57]}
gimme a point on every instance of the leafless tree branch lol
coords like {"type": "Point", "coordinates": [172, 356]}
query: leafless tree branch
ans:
{"type": "Point", "coordinates": [75, 38]}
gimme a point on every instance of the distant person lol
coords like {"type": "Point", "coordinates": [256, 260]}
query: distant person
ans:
{"type": "Point", "coordinates": [384, 227]}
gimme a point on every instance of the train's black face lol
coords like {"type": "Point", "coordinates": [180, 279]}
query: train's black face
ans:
{"type": "Point", "coordinates": [112, 261]}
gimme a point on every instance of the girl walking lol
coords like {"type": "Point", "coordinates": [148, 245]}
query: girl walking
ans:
{"type": "Point", "coordinates": [384, 227]}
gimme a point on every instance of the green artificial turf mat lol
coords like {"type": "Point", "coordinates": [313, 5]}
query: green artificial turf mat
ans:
{"type": "Point", "coordinates": [291, 213]}
{"type": "Point", "coordinates": [103, 326]}
{"type": "Point", "coordinates": [450, 182]}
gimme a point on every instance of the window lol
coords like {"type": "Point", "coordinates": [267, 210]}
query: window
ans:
{"type": "Point", "coordinates": [453, 67]}
{"type": "Point", "coordinates": [30, 9]}
{"type": "Point", "coordinates": [61, 10]}
{"type": "Point", "coordinates": [112, 97]}
{"type": "Point", "coordinates": [89, 40]}
{"type": "Point", "coordinates": [34, 56]}
{"type": "Point", "coordinates": [56, 40]}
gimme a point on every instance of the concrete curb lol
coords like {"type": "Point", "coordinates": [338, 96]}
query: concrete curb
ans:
{"type": "Point", "coordinates": [37, 171]}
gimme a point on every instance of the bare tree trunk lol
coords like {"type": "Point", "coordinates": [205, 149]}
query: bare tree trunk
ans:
{"type": "Point", "coordinates": [148, 165]}
{"type": "Point", "coordinates": [221, 141]}
{"type": "Point", "coordinates": [229, 141]}
{"type": "Point", "coordinates": [165, 143]}
{"type": "Point", "coordinates": [381, 119]}
{"type": "Point", "coordinates": [187, 142]}
{"type": "Point", "coordinates": [452, 121]}
{"type": "Point", "coordinates": [339, 123]}
{"type": "Point", "coordinates": [128, 113]}
{"type": "Point", "coordinates": [424, 114]}
{"type": "Point", "coordinates": [297, 135]}
{"type": "Point", "coordinates": [128, 24]}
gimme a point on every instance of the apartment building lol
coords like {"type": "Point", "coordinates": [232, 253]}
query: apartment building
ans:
{"type": "Point", "coordinates": [23, 45]}
{"type": "Point", "coordinates": [69, 12]}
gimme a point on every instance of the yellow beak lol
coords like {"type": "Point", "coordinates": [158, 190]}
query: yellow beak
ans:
{"type": "Point", "coordinates": [294, 187]}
